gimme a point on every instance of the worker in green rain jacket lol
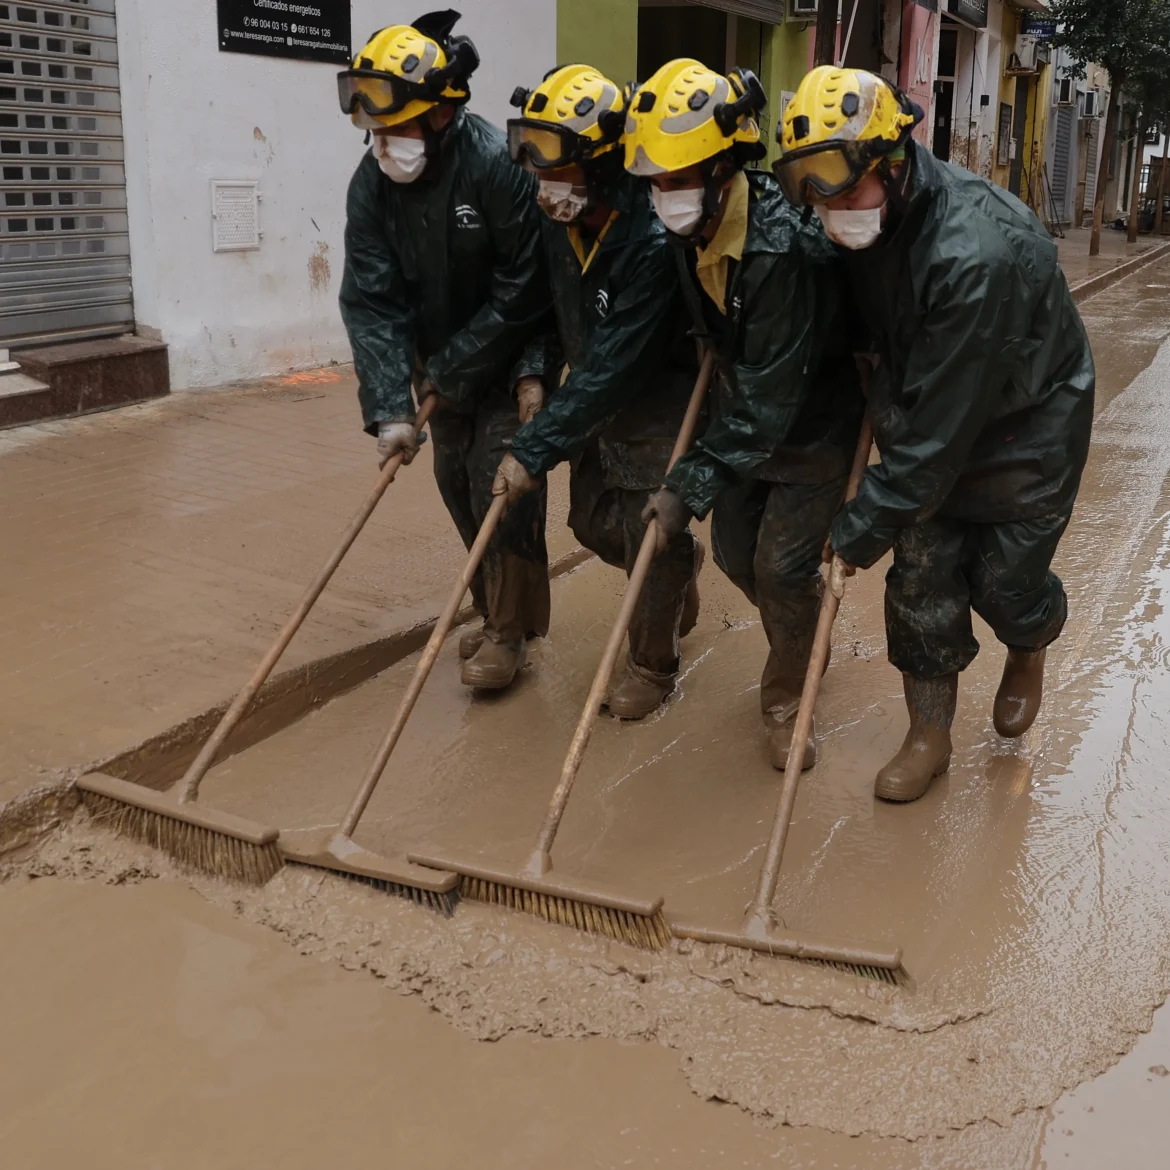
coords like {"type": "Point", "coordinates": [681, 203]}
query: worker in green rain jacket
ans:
{"type": "Point", "coordinates": [444, 287]}
{"type": "Point", "coordinates": [982, 403]}
{"type": "Point", "coordinates": [623, 341]}
{"type": "Point", "coordinates": [773, 463]}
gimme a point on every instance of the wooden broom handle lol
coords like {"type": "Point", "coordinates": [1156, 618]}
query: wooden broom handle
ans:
{"type": "Point", "coordinates": [423, 669]}
{"type": "Point", "coordinates": [539, 862]}
{"type": "Point", "coordinates": [830, 603]}
{"type": "Point", "coordinates": [189, 784]}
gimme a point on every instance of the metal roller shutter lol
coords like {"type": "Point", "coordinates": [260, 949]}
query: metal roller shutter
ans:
{"type": "Point", "coordinates": [1065, 122]}
{"type": "Point", "coordinates": [1091, 169]}
{"type": "Point", "coordinates": [64, 247]}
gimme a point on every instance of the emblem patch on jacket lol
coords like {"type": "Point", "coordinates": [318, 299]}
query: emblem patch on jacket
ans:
{"type": "Point", "coordinates": [602, 302]}
{"type": "Point", "coordinates": [467, 217]}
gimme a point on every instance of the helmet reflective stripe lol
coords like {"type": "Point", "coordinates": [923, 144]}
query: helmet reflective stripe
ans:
{"type": "Point", "coordinates": [693, 116]}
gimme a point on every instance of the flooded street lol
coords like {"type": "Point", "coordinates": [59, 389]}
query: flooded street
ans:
{"type": "Point", "coordinates": [1028, 890]}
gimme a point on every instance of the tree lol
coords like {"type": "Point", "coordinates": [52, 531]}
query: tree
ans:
{"type": "Point", "coordinates": [1126, 38]}
{"type": "Point", "coordinates": [1148, 89]}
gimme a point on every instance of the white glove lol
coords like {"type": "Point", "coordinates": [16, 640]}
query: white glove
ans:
{"type": "Point", "coordinates": [395, 437]}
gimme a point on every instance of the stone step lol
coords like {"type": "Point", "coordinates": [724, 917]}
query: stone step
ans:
{"type": "Point", "coordinates": [85, 376]}
{"type": "Point", "coordinates": [17, 385]}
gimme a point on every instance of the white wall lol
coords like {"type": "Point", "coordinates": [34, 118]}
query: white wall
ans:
{"type": "Point", "coordinates": [192, 114]}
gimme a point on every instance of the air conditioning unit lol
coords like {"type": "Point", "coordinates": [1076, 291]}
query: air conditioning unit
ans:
{"type": "Point", "coordinates": [803, 9]}
{"type": "Point", "coordinates": [1094, 107]}
{"type": "Point", "coordinates": [1066, 93]}
{"type": "Point", "coordinates": [1025, 57]}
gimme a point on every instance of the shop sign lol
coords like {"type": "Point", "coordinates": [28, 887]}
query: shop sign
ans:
{"type": "Point", "coordinates": [305, 30]}
{"type": "Point", "coordinates": [1043, 28]}
{"type": "Point", "coordinates": [972, 12]}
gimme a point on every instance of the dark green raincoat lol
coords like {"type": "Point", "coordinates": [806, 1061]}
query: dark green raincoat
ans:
{"type": "Point", "coordinates": [623, 330]}
{"type": "Point", "coordinates": [982, 400]}
{"type": "Point", "coordinates": [787, 404]}
{"type": "Point", "coordinates": [449, 271]}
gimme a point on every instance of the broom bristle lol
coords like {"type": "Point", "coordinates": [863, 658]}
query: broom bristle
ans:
{"type": "Point", "coordinates": [443, 904]}
{"type": "Point", "coordinates": [649, 933]}
{"type": "Point", "coordinates": [195, 846]}
{"type": "Point", "coordinates": [896, 978]}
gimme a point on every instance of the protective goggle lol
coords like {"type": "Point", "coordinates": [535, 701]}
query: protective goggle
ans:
{"type": "Point", "coordinates": [377, 93]}
{"type": "Point", "coordinates": [539, 146]}
{"type": "Point", "coordinates": [813, 174]}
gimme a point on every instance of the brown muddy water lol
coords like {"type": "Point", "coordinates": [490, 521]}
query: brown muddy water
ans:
{"type": "Point", "coordinates": [1028, 889]}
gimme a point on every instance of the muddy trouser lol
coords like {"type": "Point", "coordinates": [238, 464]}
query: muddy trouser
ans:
{"type": "Point", "coordinates": [768, 539]}
{"type": "Point", "coordinates": [944, 568]}
{"type": "Point", "coordinates": [511, 588]}
{"type": "Point", "coordinates": [608, 521]}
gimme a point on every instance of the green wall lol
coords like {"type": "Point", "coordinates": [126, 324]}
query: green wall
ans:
{"type": "Point", "coordinates": [601, 33]}
{"type": "Point", "coordinates": [784, 59]}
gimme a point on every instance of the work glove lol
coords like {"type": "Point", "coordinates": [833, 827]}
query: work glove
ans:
{"type": "Point", "coordinates": [669, 515]}
{"type": "Point", "coordinates": [513, 480]}
{"type": "Point", "coordinates": [529, 397]}
{"type": "Point", "coordinates": [827, 555]}
{"type": "Point", "coordinates": [395, 437]}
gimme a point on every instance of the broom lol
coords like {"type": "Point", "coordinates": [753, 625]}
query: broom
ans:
{"type": "Point", "coordinates": [206, 839]}
{"type": "Point", "coordinates": [535, 888]}
{"type": "Point", "coordinates": [338, 851]}
{"type": "Point", "coordinates": [758, 931]}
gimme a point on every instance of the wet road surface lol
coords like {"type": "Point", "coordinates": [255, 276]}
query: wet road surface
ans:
{"type": "Point", "coordinates": [1028, 889]}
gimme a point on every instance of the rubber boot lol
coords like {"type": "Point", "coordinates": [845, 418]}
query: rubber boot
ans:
{"type": "Point", "coordinates": [494, 665]}
{"type": "Point", "coordinates": [1021, 689]}
{"type": "Point", "coordinates": [690, 610]}
{"type": "Point", "coordinates": [780, 741]}
{"type": "Point", "coordinates": [470, 641]}
{"type": "Point", "coordinates": [926, 751]}
{"type": "Point", "coordinates": [639, 693]}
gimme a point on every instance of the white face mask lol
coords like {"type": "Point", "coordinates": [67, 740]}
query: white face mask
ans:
{"type": "Point", "coordinates": [851, 229]}
{"type": "Point", "coordinates": [680, 211]}
{"type": "Point", "coordinates": [562, 202]}
{"type": "Point", "coordinates": [402, 159]}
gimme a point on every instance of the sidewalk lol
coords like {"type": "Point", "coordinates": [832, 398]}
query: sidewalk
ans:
{"type": "Point", "coordinates": [1079, 266]}
{"type": "Point", "coordinates": [150, 554]}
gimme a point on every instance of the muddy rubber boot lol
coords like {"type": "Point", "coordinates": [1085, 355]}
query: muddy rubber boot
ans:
{"type": "Point", "coordinates": [690, 610]}
{"type": "Point", "coordinates": [639, 693]}
{"type": "Point", "coordinates": [780, 740]}
{"type": "Point", "coordinates": [926, 751]}
{"type": "Point", "coordinates": [470, 641]}
{"type": "Point", "coordinates": [494, 665]}
{"type": "Point", "coordinates": [1017, 702]}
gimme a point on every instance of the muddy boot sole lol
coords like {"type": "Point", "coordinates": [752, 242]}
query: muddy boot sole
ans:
{"type": "Point", "coordinates": [1020, 694]}
{"type": "Point", "coordinates": [469, 643]}
{"type": "Point", "coordinates": [897, 787]}
{"type": "Point", "coordinates": [494, 667]}
{"type": "Point", "coordinates": [779, 743]}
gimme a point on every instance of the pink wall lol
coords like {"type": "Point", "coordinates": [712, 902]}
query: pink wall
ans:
{"type": "Point", "coordinates": [919, 38]}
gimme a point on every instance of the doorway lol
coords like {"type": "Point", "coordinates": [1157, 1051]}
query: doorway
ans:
{"type": "Point", "coordinates": [944, 90]}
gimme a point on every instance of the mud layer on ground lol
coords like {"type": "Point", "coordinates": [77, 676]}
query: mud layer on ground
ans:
{"type": "Point", "coordinates": [1026, 888]}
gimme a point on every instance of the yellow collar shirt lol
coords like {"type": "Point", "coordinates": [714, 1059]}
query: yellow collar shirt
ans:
{"type": "Point", "coordinates": [714, 261]}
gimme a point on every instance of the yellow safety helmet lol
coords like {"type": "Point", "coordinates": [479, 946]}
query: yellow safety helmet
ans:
{"type": "Point", "coordinates": [575, 115]}
{"type": "Point", "coordinates": [687, 114]}
{"type": "Point", "coordinates": [841, 124]}
{"type": "Point", "coordinates": [405, 70]}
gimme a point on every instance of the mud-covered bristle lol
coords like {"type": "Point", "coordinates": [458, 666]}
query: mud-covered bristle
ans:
{"type": "Point", "coordinates": [649, 933]}
{"type": "Point", "coordinates": [895, 978]}
{"type": "Point", "coordinates": [443, 904]}
{"type": "Point", "coordinates": [194, 846]}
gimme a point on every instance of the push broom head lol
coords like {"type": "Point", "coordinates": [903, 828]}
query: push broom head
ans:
{"type": "Point", "coordinates": [203, 839]}
{"type": "Point", "coordinates": [392, 875]}
{"type": "Point", "coordinates": [564, 901]}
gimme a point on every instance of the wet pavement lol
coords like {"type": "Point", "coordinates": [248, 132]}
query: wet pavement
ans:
{"type": "Point", "coordinates": [1028, 890]}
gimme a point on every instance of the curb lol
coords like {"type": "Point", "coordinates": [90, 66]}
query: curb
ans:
{"type": "Point", "coordinates": [1096, 284]}
{"type": "Point", "coordinates": [157, 762]}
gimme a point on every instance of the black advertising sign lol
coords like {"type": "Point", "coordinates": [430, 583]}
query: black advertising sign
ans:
{"type": "Point", "coordinates": [305, 30]}
{"type": "Point", "coordinates": [974, 12]}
